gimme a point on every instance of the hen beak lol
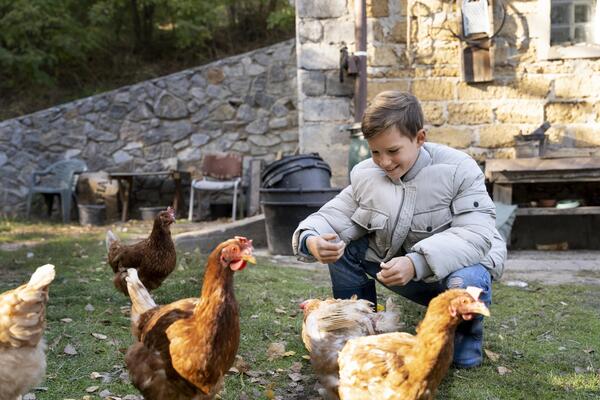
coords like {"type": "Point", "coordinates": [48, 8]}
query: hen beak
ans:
{"type": "Point", "coordinates": [249, 258]}
{"type": "Point", "coordinates": [478, 307]}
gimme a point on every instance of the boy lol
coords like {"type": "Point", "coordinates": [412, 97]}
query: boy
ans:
{"type": "Point", "coordinates": [416, 217]}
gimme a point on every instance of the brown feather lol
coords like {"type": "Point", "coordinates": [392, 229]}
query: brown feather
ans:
{"type": "Point", "coordinates": [190, 343]}
{"type": "Point", "coordinates": [154, 257]}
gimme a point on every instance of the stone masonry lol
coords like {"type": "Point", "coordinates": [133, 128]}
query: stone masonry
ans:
{"type": "Point", "coordinates": [411, 47]}
{"type": "Point", "coordinates": [324, 103]}
{"type": "Point", "coordinates": [246, 103]}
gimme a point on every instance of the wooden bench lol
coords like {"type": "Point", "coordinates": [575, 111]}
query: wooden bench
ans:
{"type": "Point", "coordinates": [503, 174]}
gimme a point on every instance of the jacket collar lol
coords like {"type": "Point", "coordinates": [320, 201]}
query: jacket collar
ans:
{"type": "Point", "coordinates": [423, 160]}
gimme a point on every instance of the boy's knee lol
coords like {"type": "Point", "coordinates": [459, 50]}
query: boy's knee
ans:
{"type": "Point", "coordinates": [475, 275]}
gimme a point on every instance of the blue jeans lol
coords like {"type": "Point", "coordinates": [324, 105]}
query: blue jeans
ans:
{"type": "Point", "coordinates": [350, 275]}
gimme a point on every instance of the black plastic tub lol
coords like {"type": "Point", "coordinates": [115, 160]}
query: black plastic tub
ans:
{"type": "Point", "coordinates": [307, 171]}
{"type": "Point", "coordinates": [284, 209]}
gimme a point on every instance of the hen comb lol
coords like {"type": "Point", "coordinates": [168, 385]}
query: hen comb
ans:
{"type": "Point", "coordinates": [243, 241]}
{"type": "Point", "coordinates": [475, 292]}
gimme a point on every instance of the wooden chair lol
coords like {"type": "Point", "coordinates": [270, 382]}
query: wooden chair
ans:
{"type": "Point", "coordinates": [221, 172]}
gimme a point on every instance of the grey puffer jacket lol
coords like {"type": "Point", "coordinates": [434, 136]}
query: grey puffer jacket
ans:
{"type": "Point", "coordinates": [440, 215]}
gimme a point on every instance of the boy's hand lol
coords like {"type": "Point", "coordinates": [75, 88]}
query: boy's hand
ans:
{"type": "Point", "coordinates": [396, 272]}
{"type": "Point", "coordinates": [326, 248]}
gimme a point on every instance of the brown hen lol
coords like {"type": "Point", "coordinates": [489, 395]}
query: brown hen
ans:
{"type": "Point", "coordinates": [183, 349]}
{"type": "Point", "coordinates": [22, 323]}
{"type": "Point", "coordinates": [400, 366]}
{"type": "Point", "coordinates": [329, 323]}
{"type": "Point", "coordinates": [154, 257]}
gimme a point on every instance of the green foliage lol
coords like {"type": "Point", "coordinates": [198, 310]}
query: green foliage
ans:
{"type": "Point", "coordinates": [59, 50]}
{"type": "Point", "coordinates": [37, 38]}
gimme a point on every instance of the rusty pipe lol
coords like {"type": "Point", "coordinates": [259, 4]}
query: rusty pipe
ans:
{"type": "Point", "coordinates": [360, 38]}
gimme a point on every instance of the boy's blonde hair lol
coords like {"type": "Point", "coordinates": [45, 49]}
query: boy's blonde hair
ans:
{"type": "Point", "coordinates": [393, 108]}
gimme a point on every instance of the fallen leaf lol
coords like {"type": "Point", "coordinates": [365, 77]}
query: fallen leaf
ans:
{"type": "Point", "coordinates": [269, 393]}
{"type": "Point", "coordinates": [306, 357]}
{"type": "Point", "coordinates": [99, 336]}
{"type": "Point", "coordinates": [66, 320]}
{"type": "Point", "coordinates": [295, 376]}
{"type": "Point", "coordinates": [240, 364]}
{"type": "Point", "coordinates": [503, 370]}
{"type": "Point", "coordinates": [296, 366]}
{"type": "Point", "coordinates": [289, 353]}
{"type": "Point", "coordinates": [254, 316]}
{"type": "Point", "coordinates": [280, 311]}
{"type": "Point", "coordinates": [491, 355]}
{"type": "Point", "coordinates": [96, 375]}
{"type": "Point", "coordinates": [70, 350]}
{"type": "Point", "coordinates": [589, 351]}
{"type": "Point", "coordinates": [92, 389]}
{"type": "Point", "coordinates": [89, 308]}
{"type": "Point", "coordinates": [275, 350]}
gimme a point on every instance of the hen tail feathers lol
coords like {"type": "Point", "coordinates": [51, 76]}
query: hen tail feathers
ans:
{"type": "Point", "coordinates": [42, 277]}
{"type": "Point", "coordinates": [110, 239]}
{"type": "Point", "coordinates": [141, 301]}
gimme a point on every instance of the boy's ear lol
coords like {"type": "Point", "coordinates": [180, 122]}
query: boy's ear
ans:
{"type": "Point", "coordinates": [421, 136]}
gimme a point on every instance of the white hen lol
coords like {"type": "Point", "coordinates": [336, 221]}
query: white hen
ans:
{"type": "Point", "coordinates": [328, 324]}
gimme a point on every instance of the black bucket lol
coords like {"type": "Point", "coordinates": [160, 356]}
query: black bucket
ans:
{"type": "Point", "coordinates": [284, 209]}
{"type": "Point", "coordinates": [307, 171]}
{"type": "Point", "coordinates": [91, 214]}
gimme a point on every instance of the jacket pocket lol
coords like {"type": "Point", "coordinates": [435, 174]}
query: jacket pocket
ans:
{"type": "Point", "coordinates": [473, 202]}
{"type": "Point", "coordinates": [371, 220]}
{"type": "Point", "coordinates": [429, 222]}
{"type": "Point", "coordinates": [375, 223]}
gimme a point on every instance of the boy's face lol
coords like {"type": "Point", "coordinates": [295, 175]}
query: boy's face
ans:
{"type": "Point", "coordinates": [394, 152]}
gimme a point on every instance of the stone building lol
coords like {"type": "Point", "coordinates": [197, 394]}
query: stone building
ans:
{"type": "Point", "coordinates": [543, 68]}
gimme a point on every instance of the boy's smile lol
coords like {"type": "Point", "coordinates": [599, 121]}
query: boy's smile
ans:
{"type": "Point", "coordinates": [394, 152]}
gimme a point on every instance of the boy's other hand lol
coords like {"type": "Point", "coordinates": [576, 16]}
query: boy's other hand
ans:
{"type": "Point", "coordinates": [326, 248]}
{"type": "Point", "coordinates": [396, 272]}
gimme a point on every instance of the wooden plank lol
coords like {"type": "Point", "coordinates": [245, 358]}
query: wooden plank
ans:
{"type": "Point", "coordinates": [254, 188]}
{"type": "Point", "coordinates": [502, 193]}
{"type": "Point", "coordinates": [548, 211]}
{"type": "Point", "coordinates": [541, 164]}
{"type": "Point", "coordinates": [545, 176]}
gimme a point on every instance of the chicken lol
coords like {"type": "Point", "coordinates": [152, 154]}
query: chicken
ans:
{"type": "Point", "coordinates": [22, 323]}
{"type": "Point", "coordinates": [400, 366]}
{"type": "Point", "coordinates": [183, 349]}
{"type": "Point", "coordinates": [154, 257]}
{"type": "Point", "coordinates": [328, 324]}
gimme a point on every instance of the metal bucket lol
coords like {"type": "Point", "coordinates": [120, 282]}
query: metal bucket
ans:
{"type": "Point", "coordinates": [148, 213]}
{"type": "Point", "coordinates": [92, 214]}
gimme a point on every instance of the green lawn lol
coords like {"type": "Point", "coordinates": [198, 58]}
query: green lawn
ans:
{"type": "Point", "coordinates": [547, 338]}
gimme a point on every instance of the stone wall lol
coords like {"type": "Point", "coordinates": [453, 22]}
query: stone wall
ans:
{"type": "Point", "coordinates": [481, 119]}
{"type": "Point", "coordinates": [324, 103]}
{"type": "Point", "coordinates": [245, 103]}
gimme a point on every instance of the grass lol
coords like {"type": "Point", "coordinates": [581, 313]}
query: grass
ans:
{"type": "Point", "coordinates": [547, 337]}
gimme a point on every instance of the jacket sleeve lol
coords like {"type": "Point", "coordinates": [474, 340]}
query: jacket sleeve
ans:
{"type": "Point", "coordinates": [334, 217]}
{"type": "Point", "coordinates": [469, 238]}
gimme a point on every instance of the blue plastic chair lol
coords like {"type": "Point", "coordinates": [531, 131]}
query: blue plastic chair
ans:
{"type": "Point", "coordinates": [58, 179]}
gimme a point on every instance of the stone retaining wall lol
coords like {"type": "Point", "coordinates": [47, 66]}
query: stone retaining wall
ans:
{"type": "Point", "coordinates": [246, 103]}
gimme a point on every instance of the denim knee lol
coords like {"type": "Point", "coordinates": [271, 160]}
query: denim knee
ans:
{"type": "Point", "coordinates": [468, 340]}
{"type": "Point", "coordinates": [475, 275]}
